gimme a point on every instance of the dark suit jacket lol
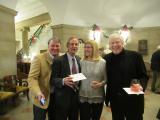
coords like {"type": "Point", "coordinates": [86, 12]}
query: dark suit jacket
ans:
{"type": "Point", "coordinates": [60, 70]}
{"type": "Point", "coordinates": [155, 61]}
{"type": "Point", "coordinates": [130, 66]}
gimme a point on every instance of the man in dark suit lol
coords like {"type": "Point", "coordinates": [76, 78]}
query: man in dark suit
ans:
{"type": "Point", "coordinates": [155, 66]}
{"type": "Point", "coordinates": [65, 90]}
{"type": "Point", "coordinates": [124, 66]}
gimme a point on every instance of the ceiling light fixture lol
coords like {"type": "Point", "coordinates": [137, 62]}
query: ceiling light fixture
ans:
{"type": "Point", "coordinates": [125, 32]}
{"type": "Point", "coordinates": [95, 33]}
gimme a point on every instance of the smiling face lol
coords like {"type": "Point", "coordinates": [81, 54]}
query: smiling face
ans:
{"type": "Point", "coordinates": [88, 50]}
{"type": "Point", "coordinates": [54, 47]}
{"type": "Point", "coordinates": [72, 46]}
{"type": "Point", "coordinates": [116, 45]}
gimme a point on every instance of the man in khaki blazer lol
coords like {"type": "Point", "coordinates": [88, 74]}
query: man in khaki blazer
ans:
{"type": "Point", "coordinates": [39, 79]}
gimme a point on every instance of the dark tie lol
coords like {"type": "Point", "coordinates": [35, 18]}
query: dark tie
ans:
{"type": "Point", "coordinates": [74, 69]}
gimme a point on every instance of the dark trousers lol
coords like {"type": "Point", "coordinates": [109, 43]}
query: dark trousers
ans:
{"type": "Point", "coordinates": [66, 106]}
{"type": "Point", "coordinates": [158, 114]}
{"type": "Point", "coordinates": [39, 113]}
{"type": "Point", "coordinates": [122, 111]}
{"type": "Point", "coordinates": [51, 109]}
{"type": "Point", "coordinates": [153, 85]}
{"type": "Point", "coordinates": [90, 111]}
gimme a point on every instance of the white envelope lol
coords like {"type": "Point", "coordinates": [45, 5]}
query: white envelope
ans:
{"type": "Point", "coordinates": [78, 77]}
{"type": "Point", "coordinates": [129, 91]}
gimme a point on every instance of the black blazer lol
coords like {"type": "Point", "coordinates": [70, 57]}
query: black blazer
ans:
{"type": "Point", "coordinates": [60, 70]}
{"type": "Point", "coordinates": [155, 61]}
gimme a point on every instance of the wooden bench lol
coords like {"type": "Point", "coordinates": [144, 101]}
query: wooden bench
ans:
{"type": "Point", "coordinates": [10, 87]}
{"type": "Point", "coordinates": [20, 89]}
{"type": "Point", "coordinates": [6, 95]}
{"type": "Point", "coordinates": [12, 84]}
{"type": "Point", "coordinates": [10, 93]}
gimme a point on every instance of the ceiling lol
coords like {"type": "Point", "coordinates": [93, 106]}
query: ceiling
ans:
{"type": "Point", "coordinates": [106, 13]}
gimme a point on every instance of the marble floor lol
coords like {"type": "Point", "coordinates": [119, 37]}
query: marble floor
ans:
{"type": "Point", "coordinates": [23, 108]}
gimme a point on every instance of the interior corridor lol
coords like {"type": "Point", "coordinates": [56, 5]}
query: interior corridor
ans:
{"type": "Point", "coordinates": [23, 109]}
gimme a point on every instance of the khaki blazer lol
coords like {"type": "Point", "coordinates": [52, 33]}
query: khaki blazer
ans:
{"type": "Point", "coordinates": [39, 78]}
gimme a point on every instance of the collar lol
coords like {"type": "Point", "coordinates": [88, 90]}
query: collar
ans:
{"type": "Point", "coordinates": [121, 53]}
{"type": "Point", "coordinates": [51, 55]}
{"type": "Point", "coordinates": [70, 57]}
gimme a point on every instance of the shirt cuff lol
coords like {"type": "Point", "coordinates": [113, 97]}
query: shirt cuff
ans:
{"type": "Point", "coordinates": [63, 81]}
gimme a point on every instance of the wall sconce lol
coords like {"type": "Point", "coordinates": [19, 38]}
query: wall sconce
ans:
{"type": "Point", "coordinates": [95, 33]}
{"type": "Point", "coordinates": [26, 58]}
{"type": "Point", "coordinates": [125, 32]}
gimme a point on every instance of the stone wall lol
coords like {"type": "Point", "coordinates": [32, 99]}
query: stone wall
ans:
{"type": "Point", "coordinates": [7, 42]}
{"type": "Point", "coordinates": [151, 34]}
{"type": "Point", "coordinates": [65, 31]}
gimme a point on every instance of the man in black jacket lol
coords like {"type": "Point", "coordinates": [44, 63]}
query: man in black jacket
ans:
{"type": "Point", "coordinates": [158, 114]}
{"type": "Point", "coordinates": [155, 66]}
{"type": "Point", "coordinates": [124, 66]}
{"type": "Point", "coordinates": [65, 90]}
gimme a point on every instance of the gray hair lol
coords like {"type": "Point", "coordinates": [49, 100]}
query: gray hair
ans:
{"type": "Point", "coordinates": [116, 35]}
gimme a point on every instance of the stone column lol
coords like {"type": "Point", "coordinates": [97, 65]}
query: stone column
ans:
{"type": "Point", "coordinates": [58, 32]}
{"type": "Point", "coordinates": [25, 44]}
{"type": "Point", "coordinates": [63, 32]}
{"type": "Point", "coordinates": [7, 42]}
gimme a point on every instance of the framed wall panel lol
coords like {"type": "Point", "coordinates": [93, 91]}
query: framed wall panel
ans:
{"type": "Point", "coordinates": [143, 47]}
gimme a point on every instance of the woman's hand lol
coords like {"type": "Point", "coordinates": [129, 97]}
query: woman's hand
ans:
{"type": "Point", "coordinates": [96, 84]}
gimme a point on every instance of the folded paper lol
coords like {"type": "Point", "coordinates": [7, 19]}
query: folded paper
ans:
{"type": "Point", "coordinates": [78, 77]}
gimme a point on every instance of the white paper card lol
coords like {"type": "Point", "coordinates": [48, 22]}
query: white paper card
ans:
{"type": "Point", "coordinates": [129, 91]}
{"type": "Point", "coordinates": [78, 77]}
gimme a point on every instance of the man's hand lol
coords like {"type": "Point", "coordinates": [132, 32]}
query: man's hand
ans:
{"type": "Point", "coordinates": [69, 82]}
{"type": "Point", "coordinates": [40, 96]}
{"type": "Point", "coordinates": [136, 87]}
